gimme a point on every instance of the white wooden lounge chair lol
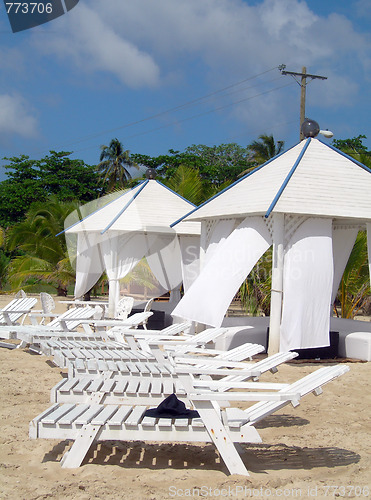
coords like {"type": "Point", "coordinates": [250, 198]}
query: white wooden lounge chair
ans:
{"type": "Point", "coordinates": [180, 343]}
{"type": "Point", "coordinates": [119, 333]}
{"type": "Point", "coordinates": [15, 310]}
{"type": "Point", "coordinates": [93, 421]}
{"type": "Point", "coordinates": [66, 322]}
{"type": "Point", "coordinates": [10, 315]}
{"type": "Point", "coordinates": [94, 368]}
{"type": "Point", "coordinates": [85, 423]}
{"type": "Point", "coordinates": [232, 357]}
{"type": "Point", "coordinates": [158, 381]}
{"type": "Point", "coordinates": [64, 352]}
{"type": "Point", "coordinates": [67, 352]}
{"type": "Point", "coordinates": [46, 336]}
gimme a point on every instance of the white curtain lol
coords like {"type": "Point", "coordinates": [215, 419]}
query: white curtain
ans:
{"type": "Point", "coordinates": [208, 298]}
{"type": "Point", "coordinates": [220, 233]}
{"type": "Point", "coordinates": [164, 258]}
{"type": "Point", "coordinates": [89, 262]}
{"type": "Point", "coordinates": [342, 244]}
{"type": "Point", "coordinates": [190, 262]}
{"type": "Point", "coordinates": [307, 286]}
{"type": "Point", "coordinates": [120, 253]}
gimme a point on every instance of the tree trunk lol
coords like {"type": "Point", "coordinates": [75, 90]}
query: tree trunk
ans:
{"type": "Point", "coordinates": [61, 291]}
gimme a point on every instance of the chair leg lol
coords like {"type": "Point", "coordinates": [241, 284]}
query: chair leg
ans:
{"type": "Point", "coordinates": [220, 437]}
{"type": "Point", "coordinates": [74, 457]}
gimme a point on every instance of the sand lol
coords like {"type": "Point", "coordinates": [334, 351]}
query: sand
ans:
{"type": "Point", "coordinates": [320, 449]}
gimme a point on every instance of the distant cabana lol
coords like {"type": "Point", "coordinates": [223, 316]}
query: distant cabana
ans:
{"type": "Point", "coordinates": [309, 203]}
{"type": "Point", "coordinates": [134, 225]}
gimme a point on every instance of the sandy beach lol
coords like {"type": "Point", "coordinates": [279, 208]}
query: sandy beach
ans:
{"type": "Point", "coordinates": [320, 449]}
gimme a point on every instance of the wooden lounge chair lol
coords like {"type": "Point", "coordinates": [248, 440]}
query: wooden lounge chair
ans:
{"type": "Point", "coordinates": [112, 335]}
{"type": "Point", "coordinates": [94, 368]}
{"type": "Point", "coordinates": [159, 381]}
{"type": "Point", "coordinates": [65, 322]}
{"type": "Point", "coordinates": [93, 421]}
{"type": "Point", "coordinates": [16, 309]}
{"type": "Point", "coordinates": [66, 352]}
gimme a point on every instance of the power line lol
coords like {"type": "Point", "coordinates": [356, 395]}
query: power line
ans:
{"type": "Point", "coordinates": [198, 115]}
{"type": "Point", "coordinates": [167, 111]}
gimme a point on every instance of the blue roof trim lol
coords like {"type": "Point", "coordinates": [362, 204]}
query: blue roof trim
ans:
{"type": "Point", "coordinates": [230, 186]}
{"type": "Point", "coordinates": [288, 177]}
{"type": "Point", "coordinates": [126, 206]}
{"type": "Point", "coordinates": [98, 209]}
{"type": "Point", "coordinates": [179, 195]}
{"type": "Point", "coordinates": [348, 157]}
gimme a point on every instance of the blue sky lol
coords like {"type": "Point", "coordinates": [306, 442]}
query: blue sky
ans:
{"type": "Point", "coordinates": [152, 74]}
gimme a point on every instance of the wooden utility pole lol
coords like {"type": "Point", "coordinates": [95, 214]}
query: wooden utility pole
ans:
{"type": "Point", "coordinates": [303, 84]}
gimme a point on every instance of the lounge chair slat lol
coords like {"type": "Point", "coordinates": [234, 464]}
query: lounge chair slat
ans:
{"type": "Point", "coordinates": [104, 415]}
{"type": "Point", "coordinates": [119, 417]}
{"type": "Point", "coordinates": [135, 416]}
{"type": "Point", "coordinates": [91, 412]}
{"type": "Point", "coordinates": [58, 413]}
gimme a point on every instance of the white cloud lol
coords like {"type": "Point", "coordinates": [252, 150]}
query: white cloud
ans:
{"type": "Point", "coordinates": [16, 117]}
{"type": "Point", "coordinates": [96, 47]}
{"type": "Point", "coordinates": [363, 8]}
{"type": "Point", "coordinates": [133, 40]}
{"type": "Point", "coordinates": [143, 42]}
{"type": "Point", "coordinates": [231, 33]}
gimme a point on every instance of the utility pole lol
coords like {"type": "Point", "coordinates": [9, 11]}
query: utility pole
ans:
{"type": "Point", "coordinates": [303, 84]}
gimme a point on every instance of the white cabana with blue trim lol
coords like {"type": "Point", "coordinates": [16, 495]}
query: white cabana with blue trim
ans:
{"type": "Point", "coordinates": [309, 203]}
{"type": "Point", "coordinates": [134, 225]}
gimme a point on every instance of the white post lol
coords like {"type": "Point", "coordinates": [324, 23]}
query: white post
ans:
{"type": "Point", "coordinates": [368, 225]}
{"type": "Point", "coordinates": [113, 296]}
{"type": "Point", "coordinates": [277, 283]}
{"type": "Point", "coordinates": [113, 281]}
{"type": "Point", "coordinates": [199, 327]}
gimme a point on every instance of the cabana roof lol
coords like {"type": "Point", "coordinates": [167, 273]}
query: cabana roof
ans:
{"type": "Point", "coordinates": [148, 207]}
{"type": "Point", "coordinates": [312, 178]}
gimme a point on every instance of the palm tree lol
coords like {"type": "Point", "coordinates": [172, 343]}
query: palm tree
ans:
{"type": "Point", "coordinates": [114, 163]}
{"type": "Point", "coordinates": [265, 148]}
{"type": "Point", "coordinates": [42, 258]}
{"type": "Point", "coordinates": [188, 182]}
{"type": "Point", "coordinates": [354, 290]}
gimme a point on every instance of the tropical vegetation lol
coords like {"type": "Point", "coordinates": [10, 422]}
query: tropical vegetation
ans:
{"type": "Point", "coordinates": [42, 259]}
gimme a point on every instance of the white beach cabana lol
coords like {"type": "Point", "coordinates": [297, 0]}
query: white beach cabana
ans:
{"type": "Point", "coordinates": [309, 203]}
{"type": "Point", "coordinates": [134, 225]}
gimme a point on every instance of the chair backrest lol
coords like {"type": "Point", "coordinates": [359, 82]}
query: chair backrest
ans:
{"type": "Point", "coordinates": [148, 306]}
{"type": "Point", "coordinates": [47, 303]}
{"type": "Point", "coordinates": [21, 304]}
{"type": "Point", "coordinates": [71, 318]}
{"type": "Point", "coordinates": [124, 307]}
{"type": "Point", "coordinates": [21, 294]}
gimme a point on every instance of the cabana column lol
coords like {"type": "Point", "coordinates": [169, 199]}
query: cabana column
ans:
{"type": "Point", "coordinates": [277, 283]}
